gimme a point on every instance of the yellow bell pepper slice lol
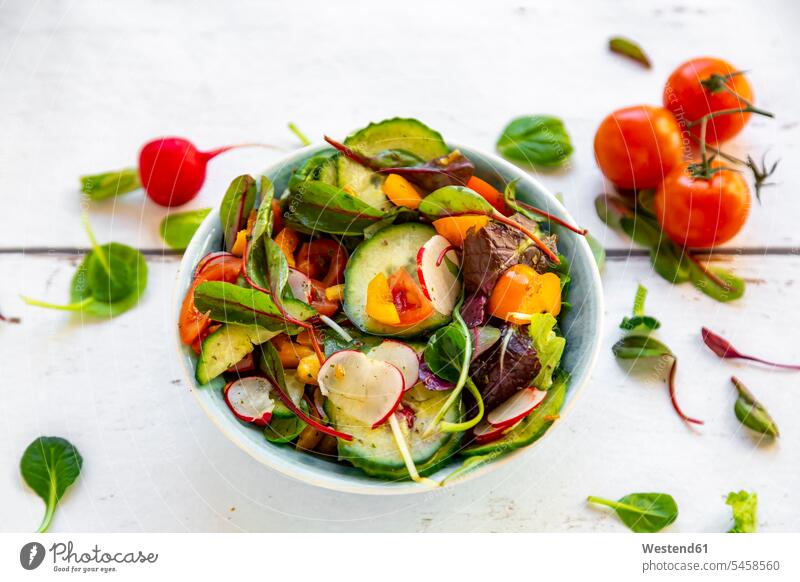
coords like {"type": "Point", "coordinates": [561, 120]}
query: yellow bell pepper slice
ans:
{"type": "Point", "coordinates": [380, 305]}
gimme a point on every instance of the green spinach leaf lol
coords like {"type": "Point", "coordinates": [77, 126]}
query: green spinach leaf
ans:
{"type": "Point", "coordinates": [454, 200]}
{"type": "Point", "coordinates": [230, 303]}
{"type": "Point", "coordinates": [639, 321]}
{"type": "Point", "coordinates": [669, 260]}
{"type": "Point", "coordinates": [333, 342]}
{"type": "Point", "coordinates": [445, 351]}
{"type": "Point", "coordinates": [177, 229]}
{"type": "Point", "coordinates": [598, 252]}
{"type": "Point", "coordinates": [633, 347]}
{"type": "Point", "coordinates": [643, 512]}
{"type": "Point", "coordinates": [314, 207]}
{"type": "Point", "coordinates": [535, 140]}
{"type": "Point", "coordinates": [239, 200]}
{"type": "Point", "coordinates": [703, 278]}
{"type": "Point", "coordinates": [110, 184]}
{"type": "Point", "coordinates": [109, 281]}
{"type": "Point", "coordinates": [257, 266]}
{"type": "Point", "coordinates": [751, 412]}
{"type": "Point", "coordinates": [744, 506]}
{"type": "Point", "coordinates": [448, 355]}
{"type": "Point", "coordinates": [49, 466]}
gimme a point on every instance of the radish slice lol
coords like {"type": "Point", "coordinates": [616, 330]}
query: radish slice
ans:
{"type": "Point", "coordinates": [366, 389]}
{"type": "Point", "coordinates": [400, 355]}
{"type": "Point", "coordinates": [486, 433]}
{"type": "Point", "coordinates": [249, 399]}
{"type": "Point", "coordinates": [294, 387]}
{"type": "Point", "coordinates": [516, 408]}
{"type": "Point", "coordinates": [438, 282]}
{"type": "Point", "coordinates": [300, 285]}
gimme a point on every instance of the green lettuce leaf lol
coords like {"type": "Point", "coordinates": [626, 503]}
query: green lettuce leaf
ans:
{"type": "Point", "coordinates": [549, 348]}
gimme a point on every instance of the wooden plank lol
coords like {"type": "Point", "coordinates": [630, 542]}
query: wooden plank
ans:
{"type": "Point", "coordinates": [82, 89]}
{"type": "Point", "coordinates": [154, 462]}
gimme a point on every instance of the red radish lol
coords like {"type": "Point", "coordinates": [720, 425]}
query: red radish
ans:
{"type": "Point", "coordinates": [439, 284]}
{"type": "Point", "coordinates": [366, 389]}
{"type": "Point", "coordinates": [249, 399]}
{"type": "Point", "coordinates": [172, 170]}
{"type": "Point", "coordinates": [486, 433]}
{"type": "Point", "coordinates": [300, 285]}
{"type": "Point", "coordinates": [516, 408]}
{"type": "Point", "coordinates": [400, 355]}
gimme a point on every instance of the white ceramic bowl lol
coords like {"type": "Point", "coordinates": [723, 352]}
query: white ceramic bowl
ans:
{"type": "Point", "coordinates": [581, 326]}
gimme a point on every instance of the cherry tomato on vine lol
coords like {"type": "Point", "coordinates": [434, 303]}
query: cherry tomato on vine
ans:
{"type": "Point", "coordinates": [636, 147]}
{"type": "Point", "coordinates": [689, 99]}
{"type": "Point", "coordinates": [702, 213]}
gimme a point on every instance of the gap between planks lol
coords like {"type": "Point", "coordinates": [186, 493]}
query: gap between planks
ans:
{"type": "Point", "coordinates": [612, 254]}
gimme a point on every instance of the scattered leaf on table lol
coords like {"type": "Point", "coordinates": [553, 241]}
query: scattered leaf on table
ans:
{"type": "Point", "coordinates": [49, 466]}
{"type": "Point", "coordinates": [744, 506]}
{"type": "Point", "coordinates": [751, 412]}
{"type": "Point", "coordinates": [643, 512]}
{"type": "Point", "coordinates": [535, 140]}
{"type": "Point", "coordinates": [628, 48]}
{"type": "Point", "coordinates": [178, 228]}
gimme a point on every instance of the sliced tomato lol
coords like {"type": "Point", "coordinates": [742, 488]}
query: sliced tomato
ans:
{"type": "Point", "coordinates": [320, 301]}
{"type": "Point", "coordinates": [411, 303]}
{"type": "Point", "coordinates": [322, 259]}
{"type": "Point", "coordinates": [277, 217]}
{"type": "Point", "coordinates": [191, 323]}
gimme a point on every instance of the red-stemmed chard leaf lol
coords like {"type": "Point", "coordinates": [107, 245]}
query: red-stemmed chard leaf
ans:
{"type": "Point", "coordinates": [723, 348]}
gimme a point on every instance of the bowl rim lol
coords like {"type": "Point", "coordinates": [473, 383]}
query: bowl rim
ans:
{"type": "Point", "coordinates": [370, 486]}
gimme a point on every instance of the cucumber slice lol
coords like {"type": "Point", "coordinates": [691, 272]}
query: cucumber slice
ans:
{"type": "Point", "coordinates": [392, 134]}
{"type": "Point", "coordinates": [295, 389]}
{"type": "Point", "coordinates": [285, 430]}
{"type": "Point", "coordinates": [322, 168]}
{"type": "Point", "coordinates": [226, 346]}
{"type": "Point", "coordinates": [436, 462]}
{"type": "Point", "coordinates": [375, 451]}
{"type": "Point", "coordinates": [532, 427]}
{"type": "Point", "coordinates": [389, 249]}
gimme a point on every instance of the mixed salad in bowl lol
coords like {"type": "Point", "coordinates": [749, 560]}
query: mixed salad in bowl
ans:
{"type": "Point", "coordinates": [389, 309]}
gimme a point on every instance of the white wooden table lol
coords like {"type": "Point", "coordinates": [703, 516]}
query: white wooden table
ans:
{"type": "Point", "coordinates": [84, 83]}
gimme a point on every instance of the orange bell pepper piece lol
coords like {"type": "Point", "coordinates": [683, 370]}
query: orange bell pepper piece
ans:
{"type": "Point", "coordinates": [521, 292]}
{"type": "Point", "coordinates": [455, 228]}
{"type": "Point", "coordinates": [288, 240]}
{"type": "Point", "coordinates": [489, 193]}
{"type": "Point", "coordinates": [401, 192]}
